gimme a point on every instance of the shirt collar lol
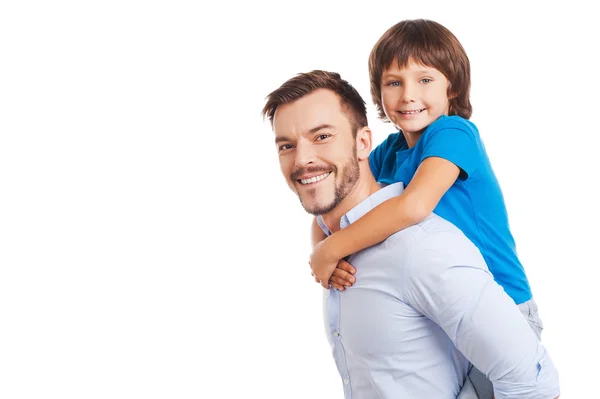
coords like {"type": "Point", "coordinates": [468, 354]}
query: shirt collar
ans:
{"type": "Point", "coordinates": [379, 196]}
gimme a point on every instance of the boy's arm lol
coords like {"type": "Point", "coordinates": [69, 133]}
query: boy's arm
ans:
{"type": "Point", "coordinates": [343, 275]}
{"type": "Point", "coordinates": [433, 178]}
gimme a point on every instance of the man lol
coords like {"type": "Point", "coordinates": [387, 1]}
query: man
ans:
{"type": "Point", "coordinates": [424, 303]}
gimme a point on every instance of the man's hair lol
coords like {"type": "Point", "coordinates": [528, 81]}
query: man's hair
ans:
{"type": "Point", "coordinates": [428, 43]}
{"type": "Point", "coordinates": [305, 83]}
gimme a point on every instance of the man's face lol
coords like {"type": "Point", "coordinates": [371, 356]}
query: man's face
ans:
{"type": "Point", "coordinates": [317, 151]}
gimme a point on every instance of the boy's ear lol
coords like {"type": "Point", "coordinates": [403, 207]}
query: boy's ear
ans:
{"type": "Point", "coordinates": [364, 143]}
{"type": "Point", "coordinates": [451, 93]}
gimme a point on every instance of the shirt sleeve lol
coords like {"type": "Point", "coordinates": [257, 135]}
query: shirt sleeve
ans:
{"type": "Point", "coordinates": [456, 143]}
{"type": "Point", "coordinates": [455, 290]}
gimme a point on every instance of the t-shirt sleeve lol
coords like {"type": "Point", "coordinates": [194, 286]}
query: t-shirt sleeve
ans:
{"type": "Point", "coordinates": [456, 144]}
{"type": "Point", "coordinates": [377, 156]}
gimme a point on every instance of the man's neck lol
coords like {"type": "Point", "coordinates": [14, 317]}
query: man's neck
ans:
{"type": "Point", "coordinates": [364, 188]}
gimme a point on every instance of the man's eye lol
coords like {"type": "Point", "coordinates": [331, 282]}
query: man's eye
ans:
{"type": "Point", "coordinates": [322, 137]}
{"type": "Point", "coordinates": [285, 147]}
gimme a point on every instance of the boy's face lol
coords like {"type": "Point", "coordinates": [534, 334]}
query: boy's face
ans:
{"type": "Point", "coordinates": [317, 151]}
{"type": "Point", "coordinates": [414, 97]}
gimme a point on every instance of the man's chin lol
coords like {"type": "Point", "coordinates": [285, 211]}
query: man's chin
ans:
{"type": "Point", "coordinates": [318, 209]}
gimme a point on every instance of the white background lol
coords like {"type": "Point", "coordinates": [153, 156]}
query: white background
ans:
{"type": "Point", "coordinates": [149, 247]}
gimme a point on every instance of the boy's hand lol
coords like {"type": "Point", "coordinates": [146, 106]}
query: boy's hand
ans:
{"type": "Point", "coordinates": [323, 266]}
{"type": "Point", "coordinates": [342, 277]}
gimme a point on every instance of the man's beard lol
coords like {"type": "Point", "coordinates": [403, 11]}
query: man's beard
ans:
{"type": "Point", "coordinates": [348, 179]}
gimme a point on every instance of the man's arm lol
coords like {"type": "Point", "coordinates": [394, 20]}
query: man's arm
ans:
{"type": "Point", "coordinates": [447, 280]}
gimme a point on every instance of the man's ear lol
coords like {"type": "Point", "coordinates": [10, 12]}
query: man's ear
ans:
{"type": "Point", "coordinates": [363, 143]}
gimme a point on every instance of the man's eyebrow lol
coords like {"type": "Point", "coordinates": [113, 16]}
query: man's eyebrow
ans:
{"type": "Point", "coordinates": [320, 127]}
{"type": "Point", "coordinates": [279, 139]}
{"type": "Point", "coordinates": [315, 129]}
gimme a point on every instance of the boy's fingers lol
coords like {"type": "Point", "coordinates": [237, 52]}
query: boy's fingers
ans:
{"type": "Point", "coordinates": [344, 276]}
{"type": "Point", "coordinates": [342, 264]}
{"type": "Point", "coordinates": [316, 279]}
{"type": "Point", "coordinates": [336, 286]}
{"type": "Point", "coordinates": [339, 281]}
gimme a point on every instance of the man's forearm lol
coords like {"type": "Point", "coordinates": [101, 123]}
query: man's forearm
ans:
{"type": "Point", "coordinates": [495, 337]}
{"type": "Point", "coordinates": [457, 292]}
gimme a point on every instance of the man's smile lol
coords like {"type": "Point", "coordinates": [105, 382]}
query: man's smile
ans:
{"type": "Point", "coordinates": [313, 179]}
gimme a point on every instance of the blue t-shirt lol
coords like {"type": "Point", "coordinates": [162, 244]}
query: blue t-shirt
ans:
{"type": "Point", "coordinates": [474, 203]}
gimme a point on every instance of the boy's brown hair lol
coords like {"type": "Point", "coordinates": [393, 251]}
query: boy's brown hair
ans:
{"type": "Point", "coordinates": [305, 83]}
{"type": "Point", "coordinates": [431, 44]}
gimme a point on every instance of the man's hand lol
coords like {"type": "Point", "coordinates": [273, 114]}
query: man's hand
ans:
{"type": "Point", "coordinates": [327, 269]}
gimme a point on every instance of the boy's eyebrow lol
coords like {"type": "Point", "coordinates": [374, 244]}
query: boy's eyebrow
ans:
{"type": "Point", "coordinates": [389, 75]}
{"type": "Point", "coordinates": [313, 130]}
{"type": "Point", "coordinates": [424, 70]}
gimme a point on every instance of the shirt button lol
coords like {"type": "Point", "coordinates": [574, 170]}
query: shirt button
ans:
{"type": "Point", "coordinates": [346, 381]}
{"type": "Point", "coordinates": [337, 334]}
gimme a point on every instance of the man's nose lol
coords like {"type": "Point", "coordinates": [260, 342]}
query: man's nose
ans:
{"type": "Point", "coordinates": [305, 154]}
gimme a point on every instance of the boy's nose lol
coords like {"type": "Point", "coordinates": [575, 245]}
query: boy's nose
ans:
{"type": "Point", "coordinates": [409, 93]}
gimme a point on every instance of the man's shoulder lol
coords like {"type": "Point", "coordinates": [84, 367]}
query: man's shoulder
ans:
{"type": "Point", "coordinates": [430, 230]}
{"type": "Point", "coordinates": [435, 224]}
{"type": "Point", "coordinates": [427, 229]}
{"type": "Point", "coordinates": [440, 241]}
{"type": "Point", "coordinates": [434, 240]}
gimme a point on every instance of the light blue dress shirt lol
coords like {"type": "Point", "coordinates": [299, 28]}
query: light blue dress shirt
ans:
{"type": "Point", "coordinates": [424, 304]}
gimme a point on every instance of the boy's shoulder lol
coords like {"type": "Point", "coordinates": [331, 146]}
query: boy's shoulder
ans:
{"type": "Point", "coordinates": [396, 141]}
{"type": "Point", "coordinates": [393, 141]}
{"type": "Point", "coordinates": [452, 122]}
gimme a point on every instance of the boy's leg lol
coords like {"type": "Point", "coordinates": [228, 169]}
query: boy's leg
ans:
{"type": "Point", "coordinates": [469, 391]}
{"type": "Point", "coordinates": [529, 310]}
{"type": "Point", "coordinates": [482, 386]}
{"type": "Point", "coordinates": [476, 380]}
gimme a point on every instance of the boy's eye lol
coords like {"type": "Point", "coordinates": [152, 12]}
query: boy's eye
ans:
{"type": "Point", "coordinates": [394, 83]}
{"type": "Point", "coordinates": [426, 80]}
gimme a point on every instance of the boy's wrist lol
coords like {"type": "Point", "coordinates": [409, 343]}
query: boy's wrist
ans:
{"type": "Point", "coordinates": [333, 246]}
